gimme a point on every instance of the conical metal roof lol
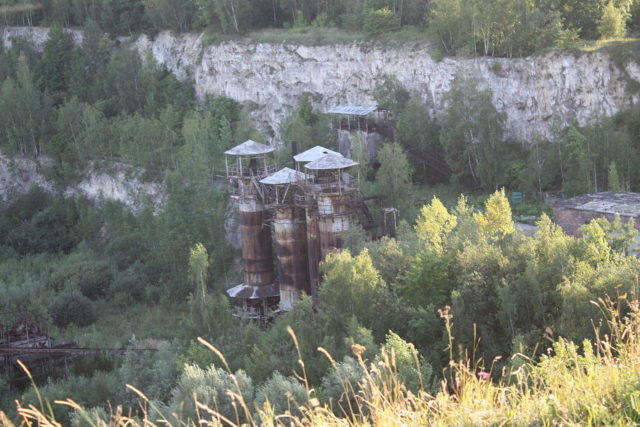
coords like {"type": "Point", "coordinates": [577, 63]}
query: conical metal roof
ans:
{"type": "Point", "coordinates": [249, 148]}
{"type": "Point", "coordinates": [313, 154]}
{"type": "Point", "coordinates": [284, 176]}
{"type": "Point", "coordinates": [331, 161]}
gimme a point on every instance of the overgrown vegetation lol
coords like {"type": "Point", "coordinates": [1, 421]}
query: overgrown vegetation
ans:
{"type": "Point", "coordinates": [498, 28]}
{"type": "Point", "coordinates": [108, 277]}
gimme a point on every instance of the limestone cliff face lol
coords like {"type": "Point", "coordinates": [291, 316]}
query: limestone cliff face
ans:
{"type": "Point", "coordinates": [534, 92]}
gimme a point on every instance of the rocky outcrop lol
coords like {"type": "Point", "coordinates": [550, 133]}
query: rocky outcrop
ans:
{"type": "Point", "coordinates": [535, 93]}
{"type": "Point", "coordinates": [119, 182]}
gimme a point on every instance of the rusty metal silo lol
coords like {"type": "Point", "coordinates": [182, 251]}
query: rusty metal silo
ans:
{"type": "Point", "coordinates": [250, 162]}
{"type": "Point", "coordinates": [289, 232]}
{"type": "Point", "coordinates": [329, 213]}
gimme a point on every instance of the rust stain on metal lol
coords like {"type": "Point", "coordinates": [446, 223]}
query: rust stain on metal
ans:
{"type": "Point", "coordinates": [334, 220]}
{"type": "Point", "coordinates": [256, 244]}
{"type": "Point", "coordinates": [291, 250]}
{"type": "Point", "coordinates": [313, 254]}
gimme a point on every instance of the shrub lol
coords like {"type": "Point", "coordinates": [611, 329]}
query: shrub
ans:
{"type": "Point", "coordinates": [380, 21]}
{"type": "Point", "coordinates": [211, 386]}
{"type": "Point", "coordinates": [72, 307]}
{"type": "Point", "coordinates": [282, 393]}
{"type": "Point", "coordinates": [90, 277]}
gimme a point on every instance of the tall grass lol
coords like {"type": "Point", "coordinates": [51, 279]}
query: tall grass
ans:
{"type": "Point", "coordinates": [595, 384]}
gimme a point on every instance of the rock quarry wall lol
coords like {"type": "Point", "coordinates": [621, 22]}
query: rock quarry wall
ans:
{"type": "Point", "coordinates": [534, 92]}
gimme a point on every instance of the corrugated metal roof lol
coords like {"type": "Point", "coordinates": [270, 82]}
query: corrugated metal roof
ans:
{"type": "Point", "coordinates": [284, 176]}
{"type": "Point", "coordinates": [253, 292]}
{"type": "Point", "coordinates": [353, 110]}
{"type": "Point", "coordinates": [331, 161]}
{"type": "Point", "coordinates": [313, 154]}
{"type": "Point", "coordinates": [623, 203]}
{"type": "Point", "coordinates": [249, 148]}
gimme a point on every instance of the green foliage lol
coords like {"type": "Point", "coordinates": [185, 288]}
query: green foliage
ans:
{"type": "Point", "coordinates": [72, 307]}
{"type": "Point", "coordinates": [613, 180]}
{"type": "Point", "coordinates": [53, 72]}
{"type": "Point", "coordinates": [154, 373]}
{"type": "Point", "coordinates": [391, 95]}
{"type": "Point", "coordinates": [414, 372]}
{"type": "Point", "coordinates": [471, 134]}
{"type": "Point", "coordinates": [393, 179]}
{"type": "Point", "coordinates": [91, 277]}
{"type": "Point", "coordinates": [379, 21]}
{"type": "Point", "coordinates": [496, 222]}
{"type": "Point", "coordinates": [282, 394]}
{"type": "Point", "coordinates": [434, 224]}
{"type": "Point", "coordinates": [342, 384]}
{"type": "Point", "coordinates": [351, 285]}
{"type": "Point", "coordinates": [210, 386]}
{"type": "Point", "coordinates": [418, 134]}
{"type": "Point", "coordinates": [612, 24]}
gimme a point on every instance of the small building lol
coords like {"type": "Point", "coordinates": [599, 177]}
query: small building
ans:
{"type": "Point", "coordinates": [571, 214]}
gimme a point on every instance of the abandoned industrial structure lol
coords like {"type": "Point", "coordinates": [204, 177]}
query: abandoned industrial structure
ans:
{"type": "Point", "coordinates": [303, 213]}
{"type": "Point", "coordinates": [571, 214]}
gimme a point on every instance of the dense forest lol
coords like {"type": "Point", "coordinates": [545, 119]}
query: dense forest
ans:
{"type": "Point", "coordinates": [458, 282]}
{"type": "Point", "coordinates": [481, 27]}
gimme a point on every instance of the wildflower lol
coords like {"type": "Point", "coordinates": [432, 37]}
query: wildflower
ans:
{"type": "Point", "coordinates": [484, 375]}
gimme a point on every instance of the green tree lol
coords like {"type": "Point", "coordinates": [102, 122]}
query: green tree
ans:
{"type": "Point", "coordinates": [471, 133]}
{"type": "Point", "coordinates": [613, 180]}
{"type": "Point", "coordinates": [391, 95]}
{"type": "Point", "coordinates": [380, 21]}
{"type": "Point", "coordinates": [53, 70]}
{"type": "Point", "coordinates": [351, 286]}
{"type": "Point", "coordinates": [496, 222]}
{"type": "Point", "coordinates": [612, 24]}
{"type": "Point", "coordinates": [434, 225]}
{"type": "Point", "coordinates": [418, 134]}
{"type": "Point", "coordinates": [393, 179]}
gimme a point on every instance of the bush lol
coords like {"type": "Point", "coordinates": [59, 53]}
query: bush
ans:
{"type": "Point", "coordinates": [380, 21]}
{"type": "Point", "coordinates": [37, 223]}
{"type": "Point", "coordinates": [130, 282]}
{"type": "Point", "coordinates": [90, 277]}
{"type": "Point", "coordinates": [282, 393]}
{"type": "Point", "coordinates": [341, 385]}
{"type": "Point", "coordinates": [211, 386]}
{"type": "Point", "coordinates": [72, 307]}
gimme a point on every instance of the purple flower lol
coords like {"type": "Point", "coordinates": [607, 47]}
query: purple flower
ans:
{"type": "Point", "coordinates": [483, 375]}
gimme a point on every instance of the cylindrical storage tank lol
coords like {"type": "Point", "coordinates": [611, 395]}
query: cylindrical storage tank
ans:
{"type": "Point", "coordinates": [256, 243]}
{"type": "Point", "coordinates": [289, 229]}
{"type": "Point", "coordinates": [335, 218]}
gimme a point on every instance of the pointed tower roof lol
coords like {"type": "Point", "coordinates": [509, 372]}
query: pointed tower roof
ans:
{"type": "Point", "coordinates": [313, 154]}
{"type": "Point", "coordinates": [249, 148]}
{"type": "Point", "coordinates": [331, 161]}
{"type": "Point", "coordinates": [284, 176]}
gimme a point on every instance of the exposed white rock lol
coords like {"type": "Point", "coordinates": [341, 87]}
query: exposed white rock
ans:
{"type": "Point", "coordinates": [534, 92]}
{"type": "Point", "coordinates": [18, 175]}
{"type": "Point", "coordinates": [120, 182]}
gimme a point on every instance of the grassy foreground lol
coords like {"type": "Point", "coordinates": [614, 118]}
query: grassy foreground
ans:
{"type": "Point", "coordinates": [595, 384]}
